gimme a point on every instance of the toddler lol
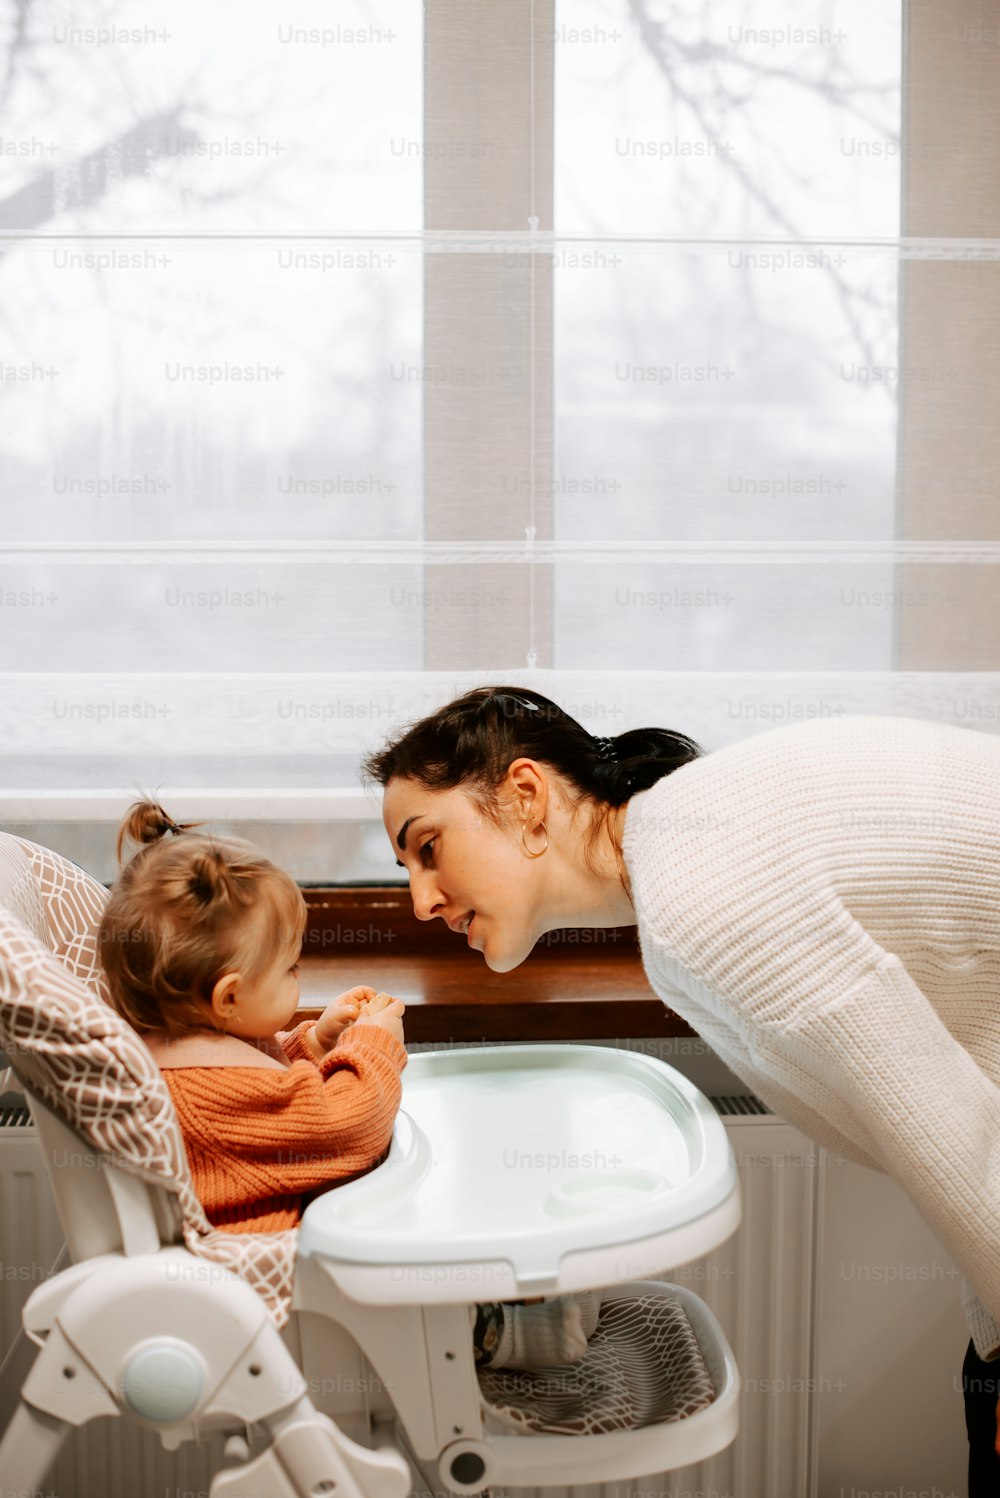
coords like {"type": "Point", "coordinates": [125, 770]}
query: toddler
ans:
{"type": "Point", "coordinates": [200, 943]}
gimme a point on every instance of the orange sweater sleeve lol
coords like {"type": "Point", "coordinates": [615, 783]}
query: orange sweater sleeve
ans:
{"type": "Point", "coordinates": [293, 1044]}
{"type": "Point", "coordinates": [259, 1139]}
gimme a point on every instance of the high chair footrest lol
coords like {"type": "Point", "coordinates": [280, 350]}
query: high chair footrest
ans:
{"type": "Point", "coordinates": [668, 1415]}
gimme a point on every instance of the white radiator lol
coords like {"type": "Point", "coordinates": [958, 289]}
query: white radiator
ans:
{"type": "Point", "coordinates": [760, 1285]}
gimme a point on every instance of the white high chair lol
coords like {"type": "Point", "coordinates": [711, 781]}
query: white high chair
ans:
{"type": "Point", "coordinates": [513, 1171]}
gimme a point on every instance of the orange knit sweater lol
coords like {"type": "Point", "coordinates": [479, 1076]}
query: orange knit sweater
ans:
{"type": "Point", "coordinates": [261, 1142]}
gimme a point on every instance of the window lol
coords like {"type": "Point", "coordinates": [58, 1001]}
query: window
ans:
{"type": "Point", "coordinates": [352, 358]}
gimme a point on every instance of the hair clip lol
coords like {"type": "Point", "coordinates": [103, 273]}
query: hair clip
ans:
{"type": "Point", "coordinates": [532, 707]}
{"type": "Point", "coordinates": [606, 748]}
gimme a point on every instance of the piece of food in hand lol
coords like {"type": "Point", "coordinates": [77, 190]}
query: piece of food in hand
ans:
{"type": "Point", "coordinates": [388, 1017]}
{"type": "Point", "coordinates": [375, 1005]}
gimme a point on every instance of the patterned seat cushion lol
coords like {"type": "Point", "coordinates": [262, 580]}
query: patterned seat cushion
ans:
{"type": "Point", "coordinates": [72, 1050]}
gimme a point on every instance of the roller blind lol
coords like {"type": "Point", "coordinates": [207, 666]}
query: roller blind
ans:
{"type": "Point", "coordinates": [350, 357]}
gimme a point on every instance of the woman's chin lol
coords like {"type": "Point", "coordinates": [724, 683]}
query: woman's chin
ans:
{"type": "Point", "coordinates": [503, 962]}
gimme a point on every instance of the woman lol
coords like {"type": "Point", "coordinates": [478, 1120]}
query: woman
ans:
{"type": "Point", "coordinates": [819, 902]}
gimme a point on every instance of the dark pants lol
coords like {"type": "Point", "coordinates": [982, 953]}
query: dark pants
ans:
{"type": "Point", "coordinates": [981, 1388]}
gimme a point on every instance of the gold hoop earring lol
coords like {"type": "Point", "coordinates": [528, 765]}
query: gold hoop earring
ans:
{"type": "Point", "coordinates": [527, 851]}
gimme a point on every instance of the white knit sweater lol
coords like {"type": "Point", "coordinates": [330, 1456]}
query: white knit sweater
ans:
{"type": "Point", "coordinates": [822, 904]}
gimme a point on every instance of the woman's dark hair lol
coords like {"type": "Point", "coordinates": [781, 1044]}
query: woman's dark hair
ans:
{"type": "Point", "coordinates": [473, 741]}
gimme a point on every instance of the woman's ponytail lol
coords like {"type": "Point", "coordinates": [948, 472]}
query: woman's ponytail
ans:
{"type": "Point", "coordinates": [634, 761]}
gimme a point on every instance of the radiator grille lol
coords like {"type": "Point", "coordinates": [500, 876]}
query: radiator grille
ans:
{"type": "Point", "coordinates": [744, 1104]}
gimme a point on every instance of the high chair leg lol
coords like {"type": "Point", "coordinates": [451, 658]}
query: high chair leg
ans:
{"type": "Point", "coordinates": [28, 1449]}
{"type": "Point", "coordinates": [309, 1455]}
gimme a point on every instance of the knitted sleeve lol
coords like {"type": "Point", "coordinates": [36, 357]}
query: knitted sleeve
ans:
{"type": "Point", "coordinates": [882, 1053]}
{"type": "Point", "coordinates": [303, 1127]}
{"type": "Point", "coordinates": [293, 1044]}
{"type": "Point", "coordinates": [849, 1048]}
{"type": "Point", "coordinates": [706, 1013]}
{"type": "Point", "coordinates": [820, 904]}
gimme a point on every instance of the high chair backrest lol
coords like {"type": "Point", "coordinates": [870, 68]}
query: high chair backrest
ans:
{"type": "Point", "coordinates": [101, 1208]}
{"type": "Point", "coordinates": [60, 903]}
{"type": "Point", "coordinates": [104, 1114]}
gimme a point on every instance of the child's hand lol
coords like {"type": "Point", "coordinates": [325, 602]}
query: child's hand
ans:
{"type": "Point", "coordinates": [339, 1013]}
{"type": "Point", "coordinates": [389, 1017]}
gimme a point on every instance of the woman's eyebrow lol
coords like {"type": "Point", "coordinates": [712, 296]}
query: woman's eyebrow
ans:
{"type": "Point", "coordinates": [401, 834]}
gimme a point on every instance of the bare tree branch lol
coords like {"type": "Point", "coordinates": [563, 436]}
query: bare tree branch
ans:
{"type": "Point", "coordinates": [660, 48]}
{"type": "Point", "coordinates": [18, 45]}
{"type": "Point", "coordinates": [89, 179]}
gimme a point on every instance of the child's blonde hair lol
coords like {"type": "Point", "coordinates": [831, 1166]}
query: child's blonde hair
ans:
{"type": "Point", "coordinates": [185, 910]}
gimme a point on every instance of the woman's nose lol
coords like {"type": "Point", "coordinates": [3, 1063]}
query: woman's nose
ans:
{"type": "Point", "coordinates": [426, 897]}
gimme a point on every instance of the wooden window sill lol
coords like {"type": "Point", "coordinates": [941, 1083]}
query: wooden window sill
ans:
{"type": "Point", "coordinates": [576, 985]}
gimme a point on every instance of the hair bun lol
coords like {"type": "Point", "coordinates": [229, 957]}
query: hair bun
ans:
{"type": "Point", "coordinates": [208, 877]}
{"type": "Point", "coordinates": [146, 822]}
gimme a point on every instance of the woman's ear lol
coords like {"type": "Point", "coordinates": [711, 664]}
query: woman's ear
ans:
{"type": "Point", "coordinates": [223, 1000]}
{"type": "Point", "coordinates": [525, 789]}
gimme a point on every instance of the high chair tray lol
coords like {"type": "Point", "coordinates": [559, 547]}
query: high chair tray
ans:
{"type": "Point", "coordinates": [522, 1170]}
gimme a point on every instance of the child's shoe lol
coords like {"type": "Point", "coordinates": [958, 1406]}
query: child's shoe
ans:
{"type": "Point", "coordinates": [547, 1335]}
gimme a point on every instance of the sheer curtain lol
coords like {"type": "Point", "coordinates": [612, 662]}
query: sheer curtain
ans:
{"type": "Point", "coordinates": [354, 357]}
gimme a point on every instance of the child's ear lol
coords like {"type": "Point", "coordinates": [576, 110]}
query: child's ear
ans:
{"type": "Point", "coordinates": [223, 1000]}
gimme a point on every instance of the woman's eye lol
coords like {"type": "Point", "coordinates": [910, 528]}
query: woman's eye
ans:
{"type": "Point", "coordinates": [425, 850]}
